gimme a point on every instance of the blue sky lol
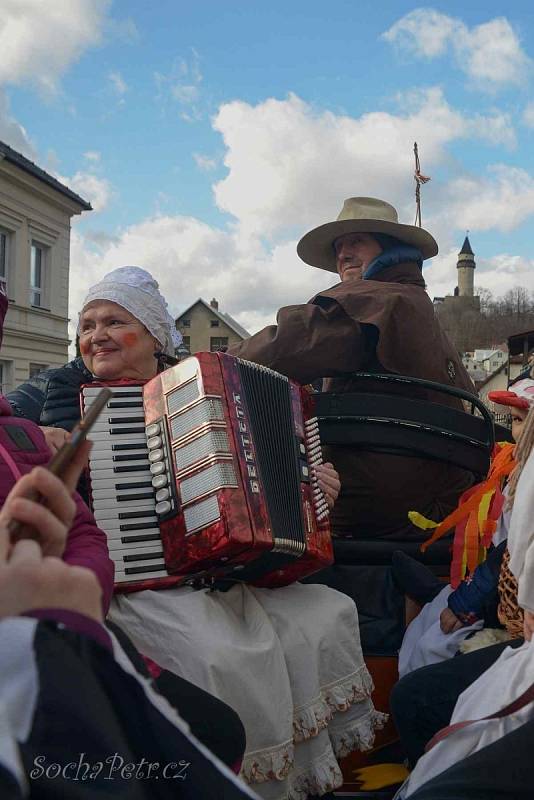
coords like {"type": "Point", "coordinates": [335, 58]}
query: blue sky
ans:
{"type": "Point", "coordinates": [210, 136]}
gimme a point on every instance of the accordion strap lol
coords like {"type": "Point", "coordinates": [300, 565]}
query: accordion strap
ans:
{"type": "Point", "coordinates": [516, 705]}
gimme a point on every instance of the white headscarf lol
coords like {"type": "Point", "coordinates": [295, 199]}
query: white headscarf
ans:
{"type": "Point", "coordinates": [521, 535]}
{"type": "Point", "coordinates": [138, 292]}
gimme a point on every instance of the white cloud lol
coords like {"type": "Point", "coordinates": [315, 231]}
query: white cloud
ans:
{"type": "Point", "coordinates": [205, 163]}
{"type": "Point", "coordinates": [92, 188]}
{"type": "Point", "coordinates": [12, 132]}
{"type": "Point", "coordinates": [182, 84]}
{"type": "Point", "coordinates": [498, 274]}
{"type": "Point", "coordinates": [40, 40]}
{"type": "Point", "coordinates": [289, 168]}
{"type": "Point", "coordinates": [191, 259]}
{"type": "Point", "coordinates": [290, 165]}
{"type": "Point", "coordinates": [424, 32]}
{"type": "Point", "coordinates": [118, 84]}
{"type": "Point", "coordinates": [490, 54]}
{"type": "Point", "coordinates": [92, 156]}
{"type": "Point", "coordinates": [500, 200]}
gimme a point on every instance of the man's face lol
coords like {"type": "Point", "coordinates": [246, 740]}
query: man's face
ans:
{"type": "Point", "coordinates": [354, 253]}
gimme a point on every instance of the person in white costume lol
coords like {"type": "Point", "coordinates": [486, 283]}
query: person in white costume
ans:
{"type": "Point", "coordinates": [437, 633]}
{"type": "Point", "coordinates": [513, 673]}
{"type": "Point", "coordinates": [287, 660]}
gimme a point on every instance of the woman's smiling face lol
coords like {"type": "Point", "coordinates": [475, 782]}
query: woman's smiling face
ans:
{"type": "Point", "coordinates": [114, 344]}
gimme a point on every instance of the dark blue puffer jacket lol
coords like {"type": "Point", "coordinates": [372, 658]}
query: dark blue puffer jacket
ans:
{"type": "Point", "coordinates": [478, 597]}
{"type": "Point", "coordinates": [52, 397]}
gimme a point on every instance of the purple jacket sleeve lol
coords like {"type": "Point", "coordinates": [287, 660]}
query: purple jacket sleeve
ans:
{"type": "Point", "coordinates": [87, 547]}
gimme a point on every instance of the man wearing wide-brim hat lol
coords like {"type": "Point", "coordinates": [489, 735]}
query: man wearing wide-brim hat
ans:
{"type": "Point", "coordinates": [378, 318]}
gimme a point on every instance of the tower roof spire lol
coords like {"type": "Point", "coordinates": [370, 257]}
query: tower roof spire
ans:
{"type": "Point", "coordinates": [466, 248]}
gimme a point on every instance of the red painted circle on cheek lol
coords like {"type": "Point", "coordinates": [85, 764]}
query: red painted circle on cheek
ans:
{"type": "Point", "coordinates": [130, 339]}
{"type": "Point", "coordinates": [85, 347]}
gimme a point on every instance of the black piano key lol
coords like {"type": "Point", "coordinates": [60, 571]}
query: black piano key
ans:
{"type": "Point", "coordinates": [137, 514]}
{"type": "Point", "coordinates": [138, 526]}
{"type": "Point", "coordinates": [142, 485]}
{"type": "Point", "coordinates": [127, 446]}
{"type": "Point", "coordinates": [134, 393]}
{"type": "Point", "coordinates": [121, 431]}
{"type": "Point", "coordinates": [128, 404]}
{"type": "Point", "coordinates": [143, 556]}
{"type": "Point", "coordinates": [125, 498]}
{"type": "Point", "coordinates": [129, 457]}
{"type": "Point", "coordinates": [142, 570]}
{"type": "Point", "coordinates": [152, 537]}
{"type": "Point", "coordinates": [124, 420]}
{"type": "Point", "coordinates": [132, 468]}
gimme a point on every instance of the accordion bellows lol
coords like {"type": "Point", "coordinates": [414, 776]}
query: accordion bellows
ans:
{"type": "Point", "coordinates": [205, 473]}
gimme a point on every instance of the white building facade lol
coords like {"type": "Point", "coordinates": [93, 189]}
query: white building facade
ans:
{"type": "Point", "coordinates": [35, 219]}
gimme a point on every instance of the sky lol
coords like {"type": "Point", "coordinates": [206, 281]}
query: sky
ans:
{"type": "Point", "coordinates": [210, 136]}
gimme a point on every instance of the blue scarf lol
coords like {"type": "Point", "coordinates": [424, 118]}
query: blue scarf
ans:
{"type": "Point", "coordinates": [394, 252]}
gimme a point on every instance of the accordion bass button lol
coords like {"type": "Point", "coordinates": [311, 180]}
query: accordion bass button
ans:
{"type": "Point", "coordinates": [153, 430]}
{"type": "Point", "coordinates": [163, 508]}
{"type": "Point", "coordinates": [155, 455]}
{"type": "Point", "coordinates": [154, 441]}
{"type": "Point", "coordinates": [159, 481]}
{"type": "Point", "coordinates": [162, 494]}
{"type": "Point", "coordinates": [158, 468]}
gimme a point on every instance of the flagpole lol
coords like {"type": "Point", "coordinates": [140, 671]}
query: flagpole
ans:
{"type": "Point", "coordinates": [419, 179]}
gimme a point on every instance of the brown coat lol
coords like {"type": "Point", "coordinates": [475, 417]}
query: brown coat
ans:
{"type": "Point", "coordinates": [379, 325]}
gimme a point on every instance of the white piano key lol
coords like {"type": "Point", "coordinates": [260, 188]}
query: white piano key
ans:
{"type": "Point", "coordinates": [115, 438]}
{"type": "Point", "coordinates": [108, 463]}
{"type": "Point", "coordinates": [119, 480]}
{"type": "Point", "coordinates": [138, 454]}
{"type": "Point", "coordinates": [92, 391]}
{"type": "Point", "coordinates": [124, 474]}
{"type": "Point", "coordinates": [145, 549]}
{"type": "Point", "coordinates": [109, 503]}
{"type": "Point", "coordinates": [134, 426]}
{"type": "Point", "coordinates": [111, 524]}
{"type": "Point", "coordinates": [128, 407]}
{"type": "Point", "coordinates": [111, 493]}
{"type": "Point", "coordinates": [109, 514]}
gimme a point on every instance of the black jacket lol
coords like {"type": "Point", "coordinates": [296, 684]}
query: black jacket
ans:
{"type": "Point", "coordinates": [52, 397]}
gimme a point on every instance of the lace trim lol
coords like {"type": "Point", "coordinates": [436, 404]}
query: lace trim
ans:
{"type": "Point", "coordinates": [360, 737]}
{"type": "Point", "coordinates": [324, 774]}
{"type": "Point", "coordinates": [268, 765]}
{"type": "Point", "coordinates": [339, 696]}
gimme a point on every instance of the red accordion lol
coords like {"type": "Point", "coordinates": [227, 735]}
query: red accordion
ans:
{"type": "Point", "coordinates": [205, 473]}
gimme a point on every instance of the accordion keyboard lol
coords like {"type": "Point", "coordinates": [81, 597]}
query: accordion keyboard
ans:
{"type": "Point", "coordinates": [127, 497]}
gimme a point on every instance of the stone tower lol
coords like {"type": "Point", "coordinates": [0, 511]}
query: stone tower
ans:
{"type": "Point", "coordinates": [466, 270]}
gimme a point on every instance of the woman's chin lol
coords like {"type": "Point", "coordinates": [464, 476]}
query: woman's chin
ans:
{"type": "Point", "coordinates": [106, 371]}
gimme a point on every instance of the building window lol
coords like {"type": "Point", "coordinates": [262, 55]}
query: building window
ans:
{"type": "Point", "coordinates": [186, 323]}
{"type": "Point", "coordinates": [5, 376]}
{"type": "Point", "coordinates": [214, 323]}
{"type": "Point", "coordinates": [38, 275]}
{"type": "Point", "coordinates": [4, 254]}
{"type": "Point", "coordinates": [35, 369]}
{"type": "Point", "coordinates": [218, 343]}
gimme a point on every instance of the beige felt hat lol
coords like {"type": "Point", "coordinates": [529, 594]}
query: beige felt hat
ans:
{"type": "Point", "coordinates": [361, 215]}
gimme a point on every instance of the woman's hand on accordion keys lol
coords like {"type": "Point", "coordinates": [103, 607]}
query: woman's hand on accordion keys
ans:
{"type": "Point", "coordinates": [328, 480]}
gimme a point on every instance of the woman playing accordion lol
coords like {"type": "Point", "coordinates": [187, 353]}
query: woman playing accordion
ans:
{"type": "Point", "coordinates": [288, 660]}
